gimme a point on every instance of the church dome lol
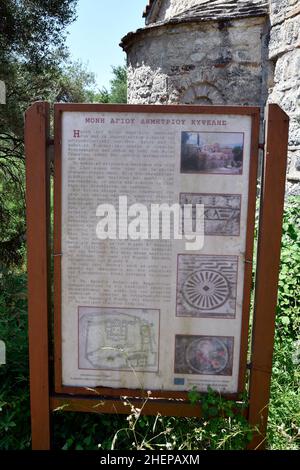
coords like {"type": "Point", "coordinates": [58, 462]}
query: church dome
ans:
{"type": "Point", "coordinates": [164, 10]}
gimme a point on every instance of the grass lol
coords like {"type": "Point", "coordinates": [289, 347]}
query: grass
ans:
{"type": "Point", "coordinates": [284, 411]}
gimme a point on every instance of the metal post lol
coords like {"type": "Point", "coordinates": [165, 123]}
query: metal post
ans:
{"type": "Point", "coordinates": [37, 213]}
{"type": "Point", "coordinates": [269, 243]}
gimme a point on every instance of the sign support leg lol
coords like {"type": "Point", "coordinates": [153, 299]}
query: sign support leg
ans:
{"type": "Point", "coordinates": [37, 212]}
{"type": "Point", "coordinates": [268, 259]}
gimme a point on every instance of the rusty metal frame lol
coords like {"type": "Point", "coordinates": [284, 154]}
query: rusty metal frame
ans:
{"type": "Point", "coordinates": [43, 397]}
{"type": "Point", "coordinates": [38, 263]}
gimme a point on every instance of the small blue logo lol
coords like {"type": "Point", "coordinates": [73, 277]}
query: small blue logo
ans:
{"type": "Point", "coordinates": [178, 381]}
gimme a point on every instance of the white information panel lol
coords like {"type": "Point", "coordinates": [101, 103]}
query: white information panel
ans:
{"type": "Point", "coordinates": [152, 314]}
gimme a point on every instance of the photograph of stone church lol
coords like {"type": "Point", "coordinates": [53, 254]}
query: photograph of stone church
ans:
{"type": "Point", "coordinates": [212, 152]}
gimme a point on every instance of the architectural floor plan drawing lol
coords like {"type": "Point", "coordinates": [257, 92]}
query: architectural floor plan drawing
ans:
{"type": "Point", "coordinates": [118, 339]}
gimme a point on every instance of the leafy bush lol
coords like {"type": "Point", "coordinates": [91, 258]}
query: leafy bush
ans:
{"type": "Point", "coordinates": [14, 383]}
{"type": "Point", "coordinates": [220, 427]}
{"type": "Point", "coordinates": [288, 308]}
{"type": "Point", "coordinates": [284, 415]}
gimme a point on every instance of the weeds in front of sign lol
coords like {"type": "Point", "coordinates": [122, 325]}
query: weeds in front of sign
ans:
{"type": "Point", "coordinates": [288, 307]}
{"type": "Point", "coordinates": [222, 426]}
{"type": "Point", "coordinates": [142, 433]}
{"type": "Point", "coordinates": [225, 419]}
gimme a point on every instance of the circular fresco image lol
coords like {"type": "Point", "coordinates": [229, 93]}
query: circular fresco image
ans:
{"type": "Point", "coordinates": [207, 356]}
{"type": "Point", "coordinates": [206, 290]}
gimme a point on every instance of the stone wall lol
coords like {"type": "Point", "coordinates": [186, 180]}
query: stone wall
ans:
{"type": "Point", "coordinates": [215, 62]}
{"type": "Point", "coordinates": [284, 52]}
{"type": "Point", "coordinates": [220, 52]}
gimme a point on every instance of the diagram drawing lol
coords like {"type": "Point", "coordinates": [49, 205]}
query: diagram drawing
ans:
{"type": "Point", "coordinates": [118, 339]}
{"type": "Point", "coordinates": [222, 213]}
{"type": "Point", "coordinates": [206, 286]}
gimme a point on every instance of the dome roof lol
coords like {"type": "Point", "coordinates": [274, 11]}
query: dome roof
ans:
{"type": "Point", "coordinates": [211, 9]}
{"type": "Point", "coordinates": [205, 10]}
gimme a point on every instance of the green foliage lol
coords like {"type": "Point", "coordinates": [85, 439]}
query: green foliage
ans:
{"type": "Point", "coordinates": [14, 393]}
{"type": "Point", "coordinates": [288, 308]}
{"type": "Point", "coordinates": [284, 414]}
{"type": "Point", "coordinates": [70, 82]}
{"type": "Point", "coordinates": [284, 410]}
{"type": "Point", "coordinates": [118, 88]}
{"type": "Point", "coordinates": [12, 223]}
{"type": "Point", "coordinates": [74, 84]}
{"type": "Point", "coordinates": [34, 66]}
{"type": "Point", "coordinates": [222, 426]}
{"type": "Point", "coordinates": [83, 431]}
{"type": "Point", "coordinates": [31, 29]}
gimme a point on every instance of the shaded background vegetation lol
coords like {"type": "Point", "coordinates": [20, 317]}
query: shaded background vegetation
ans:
{"type": "Point", "coordinates": [35, 66]}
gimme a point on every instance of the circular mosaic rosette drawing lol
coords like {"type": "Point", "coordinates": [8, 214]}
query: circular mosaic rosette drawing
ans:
{"type": "Point", "coordinates": [207, 356]}
{"type": "Point", "coordinates": [206, 290]}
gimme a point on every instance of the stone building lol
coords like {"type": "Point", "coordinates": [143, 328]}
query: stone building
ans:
{"type": "Point", "coordinates": [220, 52]}
{"type": "Point", "coordinates": [284, 54]}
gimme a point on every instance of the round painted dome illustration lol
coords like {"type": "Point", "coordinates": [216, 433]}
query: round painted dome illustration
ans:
{"type": "Point", "coordinates": [207, 356]}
